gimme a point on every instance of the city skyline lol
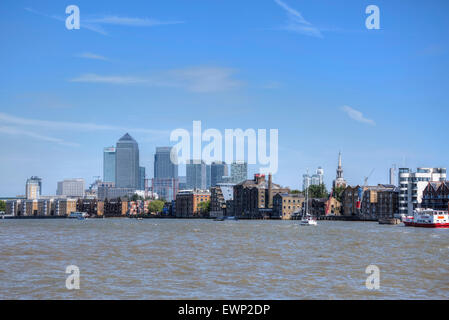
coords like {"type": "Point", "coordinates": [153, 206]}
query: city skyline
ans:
{"type": "Point", "coordinates": [342, 87]}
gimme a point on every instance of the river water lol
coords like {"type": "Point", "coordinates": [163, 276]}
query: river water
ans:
{"type": "Point", "coordinates": [204, 259]}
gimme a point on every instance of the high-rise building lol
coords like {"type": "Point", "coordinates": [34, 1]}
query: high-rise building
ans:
{"type": "Point", "coordinates": [217, 171]}
{"type": "Point", "coordinates": [392, 175]}
{"type": "Point", "coordinates": [339, 180]}
{"type": "Point", "coordinates": [71, 188]}
{"type": "Point", "coordinates": [141, 178]}
{"type": "Point", "coordinates": [165, 182]}
{"type": "Point", "coordinates": [196, 175]}
{"type": "Point", "coordinates": [412, 185]}
{"type": "Point", "coordinates": [164, 167]}
{"type": "Point", "coordinates": [33, 188]}
{"type": "Point", "coordinates": [127, 163]}
{"type": "Point", "coordinates": [314, 180]}
{"type": "Point", "coordinates": [109, 164]}
{"type": "Point", "coordinates": [239, 171]}
{"type": "Point", "coordinates": [208, 176]}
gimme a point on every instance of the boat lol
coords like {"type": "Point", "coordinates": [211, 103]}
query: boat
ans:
{"type": "Point", "coordinates": [232, 218]}
{"type": "Point", "coordinates": [307, 219]}
{"type": "Point", "coordinates": [78, 215]}
{"type": "Point", "coordinates": [427, 218]}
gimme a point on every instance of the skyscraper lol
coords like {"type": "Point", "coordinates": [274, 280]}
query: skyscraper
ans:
{"type": "Point", "coordinates": [33, 188]}
{"type": "Point", "coordinates": [239, 171]}
{"type": "Point", "coordinates": [217, 171]}
{"type": "Point", "coordinates": [339, 180]}
{"type": "Point", "coordinates": [163, 166]}
{"type": "Point", "coordinates": [165, 182]}
{"type": "Point", "coordinates": [127, 163]}
{"type": "Point", "coordinates": [196, 175]}
{"type": "Point", "coordinates": [141, 178]}
{"type": "Point", "coordinates": [109, 164]}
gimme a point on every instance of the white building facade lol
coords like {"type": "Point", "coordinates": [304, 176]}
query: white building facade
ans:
{"type": "Point", "coordinates": [412, 185]}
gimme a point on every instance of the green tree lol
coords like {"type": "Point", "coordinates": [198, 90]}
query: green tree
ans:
{"type": "Point", "coordinates": [204, 207]}
{"type": "Point", "coordinates": [318, 191]}
{"type": "Point", "coordinates": [2, 205]}
{"type": "Point", "coordinates": [136, 197]}
{"type": "Point", "coordinates": [156, 206]}
{"type": "Point", "coordinates": [338, 193]}
{"type": "Point", "coordinates": [295, 192]}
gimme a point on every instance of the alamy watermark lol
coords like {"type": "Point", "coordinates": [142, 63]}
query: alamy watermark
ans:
{"type": "Point", "coordinates": [373, 280]}
{"type": "Point", "coordinates": [373, 20]}
{"type": "Point", "coordinates": [256, 146]}
{"type": "Point", "coordinates": [73, 20]}
{"type": "Point", "coordinates": [73, 280]}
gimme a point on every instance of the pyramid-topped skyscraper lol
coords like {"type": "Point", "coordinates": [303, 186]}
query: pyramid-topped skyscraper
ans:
{"type": "Point", "coordinates": [127, 163]}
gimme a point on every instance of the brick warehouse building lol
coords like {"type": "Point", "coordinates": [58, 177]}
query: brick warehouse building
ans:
{"type": "Point", "coordinates": [187, 203]}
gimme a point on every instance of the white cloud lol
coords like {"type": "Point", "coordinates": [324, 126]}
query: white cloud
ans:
{"type": "Point", "coordinates": [195, 79]}
{"type": "Point", "coordinates": [133, 22]}
{"type": "Point", "coordinates": [66, 125]}
{"type": "Point", "coordinates": [93, 56]}
{"type": "Point", "coordinates": [21, 132]}
{"type": "Point", "coordinates": [357, 115]}
{"type": "Point", "coordinates": [297, 23]}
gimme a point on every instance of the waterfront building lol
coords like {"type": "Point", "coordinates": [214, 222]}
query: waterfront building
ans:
{"type": "Point", "coordinates": [254, 198]}
{"type": "Point", "coordinates": [109, 164]}
{"type": "Point", "coordinates": [436, 196]}
{"type": "Point", "coordinates": [90, 206]}
{"type": "Point", "coordinates": [33, 188]}
{"type": "Point", "coordinates": [71, 188]}
{"type": "Point", "coordinates": [127, 163]}
{"type": "Point", "coordinates": [239, 171]}
{"type": "Point", "coordinates": [188, 203]}
{"type": "Point", "coordinates": [218, 171]}
{"type": "Point", "coordinates": [196, 175]}
{"type": "Point", "coordinates": [138, 207]}
{"type": "Point", "coordinates": [65, 207]}
{"type": "Point", "coordinates": [114, 208]}
{"type": "Point", "coordinates": [108, 191]}
{"type": "Point", "coordinates": [412, 185]}
{"type": "Point", "coordinates": [381, 201]}
{"type": "Point", "coordinates": [220, 196]}
{"type": "Point", "coordinates": [339, 180]}
{"type": "Point", "coordinates": [286, 205]}
{"type": "Point", "coordinates": [165, 182]}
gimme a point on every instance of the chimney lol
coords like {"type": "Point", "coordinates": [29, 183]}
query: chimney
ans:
{"type": "Point", "coordinates": [270, 191]}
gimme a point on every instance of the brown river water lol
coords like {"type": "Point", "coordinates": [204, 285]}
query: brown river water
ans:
{"type": "Point", "coordinates": [205, 259]}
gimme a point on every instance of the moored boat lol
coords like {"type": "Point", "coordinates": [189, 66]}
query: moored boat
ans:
{"type": "Point", "coordinates": [428, 218]}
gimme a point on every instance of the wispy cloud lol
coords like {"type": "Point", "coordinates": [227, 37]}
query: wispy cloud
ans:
{"type": "Point", "coordinates": [76, 126]}
{"type": "Point", "coordinates": [132, 22]}
{"type": "Point", "coordinates": [195, 79]}
{"type": "Point", "coordinates": [94, 23]}
{"type": "Point", "coordinates": [37, 136]}
{"type": "Point", "coordinates": [297, 23]}
{"type": "Point", "coordinates": [357, 115]}
{"type": "Point", "coordinates": [93, 56]}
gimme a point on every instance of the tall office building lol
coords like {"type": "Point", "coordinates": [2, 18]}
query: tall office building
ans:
{"type": "Point", "coordinates": [165, 182]}
{"type": "Point", "coordinates": [163, 166]}
{"type": "Point", "coordinates": [239, 171]}
{"type": "Point", "coordinates": [217, 171]}
{"type": "Point", "coordinates": [393, 175]}
{"type": "Point", "coordinates": [208, 176]}
{"type": "Point", "coordinates": [109, 164]}
{"type": "Point", "coordinates": [33, 188]}
{"type": "Point", "coordinates": [412, 185]}
{"type": "Point", "coordinates": [196, 175]}
{"type": "Point", "coordinates": [71, 188]}
{"type": "Point", "coordinates": [141, 178]}
{"type": "Point", "coordinates": [127, 163]}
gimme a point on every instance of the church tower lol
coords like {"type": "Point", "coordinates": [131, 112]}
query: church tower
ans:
{"type": "Point", "coordinates": [339, 181]}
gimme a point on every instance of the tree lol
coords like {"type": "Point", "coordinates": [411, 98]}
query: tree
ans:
{"type": "Point", "coordinates": [136, 197]}
{"type": "Point", "coordinates": [318, 191]}
{"type": "Point", "coordinates": [204, 207]}
{"type": "Point", "coordinates": [156, 206]}
{"type": "Point", "coordinates": [295, 192]}
{"type": "Point", "coordinates": [338, 193]}
{"type": "Point", "coordinates": [2, 205]}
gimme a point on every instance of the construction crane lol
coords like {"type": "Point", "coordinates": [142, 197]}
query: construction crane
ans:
{"type": "Point", "coordinates": [361, 191]}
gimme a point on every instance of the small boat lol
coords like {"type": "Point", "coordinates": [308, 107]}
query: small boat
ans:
{"type": "Point", "coordinates": [232, 218]}
{"type": "Point", "coordinates": [308, 221]}
{"type": "Point", "coordinates": [78, 215]}
{"type": "Point", "coordinates": [140, 218]}
{"type": "Point", "coordinates": [219, 219]}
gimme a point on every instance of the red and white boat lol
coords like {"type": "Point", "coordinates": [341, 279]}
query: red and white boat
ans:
{"type": "Point", "coordinates": [427, 218]}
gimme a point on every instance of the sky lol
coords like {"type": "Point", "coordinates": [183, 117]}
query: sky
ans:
{"type": "Point", "coordinates": [310, 69]}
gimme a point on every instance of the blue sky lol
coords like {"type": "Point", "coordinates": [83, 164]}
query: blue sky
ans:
{"type": "Point", "coordinates": [308, 68]}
